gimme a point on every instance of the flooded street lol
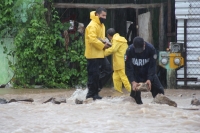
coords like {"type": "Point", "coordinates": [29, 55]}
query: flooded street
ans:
{"type": "Point", "coordinates": [115, 113]}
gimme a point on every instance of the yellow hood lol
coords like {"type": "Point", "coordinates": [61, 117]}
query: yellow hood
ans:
{"type": "Point", "coordinates": [94, 18]}
{"type": "Point", "coordinates": [119, 38]}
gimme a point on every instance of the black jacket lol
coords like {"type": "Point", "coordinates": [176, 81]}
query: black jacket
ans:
{"type": "Point", "coordinates": [141, 66]}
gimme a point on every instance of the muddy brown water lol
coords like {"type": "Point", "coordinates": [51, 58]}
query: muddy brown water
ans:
{"type": "Point", "coordinates": [115, 113]}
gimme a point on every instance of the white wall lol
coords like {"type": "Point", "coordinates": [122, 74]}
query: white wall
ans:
{"type": "Point", "coordinates": [145, 26]}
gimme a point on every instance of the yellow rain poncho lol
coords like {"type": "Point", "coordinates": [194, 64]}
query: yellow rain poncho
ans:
{"type": "Point", "coordinates": [118, 49]}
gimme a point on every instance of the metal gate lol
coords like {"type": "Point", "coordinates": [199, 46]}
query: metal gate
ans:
{"type": "Point", "coordinates": [188, 32]}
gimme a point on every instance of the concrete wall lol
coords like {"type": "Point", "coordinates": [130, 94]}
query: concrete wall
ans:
{"type": "Point", "coordinates": [6, 73]}
{"type": "Point", "coordinates": [145, 26]}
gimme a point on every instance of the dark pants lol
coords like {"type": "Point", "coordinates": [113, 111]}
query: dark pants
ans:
{"type": "Point", "coordinates": [99, 71]}
{"type": "Point", "coordinates": [156, 88]}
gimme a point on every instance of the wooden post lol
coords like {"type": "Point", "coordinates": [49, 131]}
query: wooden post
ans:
{"type": "Point", "coordinates": [185, 53]}
{"type": "Point", "coordinates": [169, 21]}
{"type": "Point", "coordinates": [171, 79]}
{"type": "Point", "coordinates": [47, 5]}
{"type": "Point", "coordinates": [171, 74]}
{"type": "Point", "coordinates": [112, 16]}
{"type": "Point", "coordinates": [161, 28]}
{"type": "Point", "coordinates": [107, 6]}
{"type": "Point", "coordinates": [136, 11]}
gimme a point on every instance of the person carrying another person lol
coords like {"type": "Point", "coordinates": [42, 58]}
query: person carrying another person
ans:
{"type": "Point", "coordinates": [140, 65]}
{"type": "Point", "coordinates": [118, 50]}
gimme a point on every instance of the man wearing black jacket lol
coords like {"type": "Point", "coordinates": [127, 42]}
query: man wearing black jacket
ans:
{"type": "Point", "coordinates": [140, 64]}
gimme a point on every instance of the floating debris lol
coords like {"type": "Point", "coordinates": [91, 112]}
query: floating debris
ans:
{"type": "Point", "coordinates": [3, 101]}
{"type": "Point", "coordinates": [162, 99]}
{"type": "Point", "coordinates": [55, 100]}
{"type": "Point", "coordinates": [195, 101]}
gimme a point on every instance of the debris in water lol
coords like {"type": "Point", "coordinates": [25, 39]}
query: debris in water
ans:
{"type": "Point", "coordinates": [25, 100]}
{"type": "Point", "coordinates": [162, 99]}
{"type": "Point", "coordinates": [55, 100]}
{"type": "Point", "coordinates": [195, 101]}
{"type": "Point", "coordinates": [3, 101]}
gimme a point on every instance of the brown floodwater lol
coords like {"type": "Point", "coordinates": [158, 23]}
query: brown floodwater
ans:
{"type": "Point", "coordinates": [115, 113]}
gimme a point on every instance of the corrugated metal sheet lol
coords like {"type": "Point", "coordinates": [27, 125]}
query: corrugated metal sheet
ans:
{"type": "Point", "coordinates": [186, 9]}
{"type": "Point", "coordinates": [190, 10]}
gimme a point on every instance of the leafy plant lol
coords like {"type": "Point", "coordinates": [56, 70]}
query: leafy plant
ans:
{"type": "Point", "coordinates": [6, 17]}
{"type": "Point", "coordinates": [39, 57]}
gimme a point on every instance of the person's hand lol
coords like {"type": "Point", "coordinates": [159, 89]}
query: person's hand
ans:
{"type": "Point", "coordinates": [148, 82]}
{"type": "Point", "coordinates": [134, 85]}
{"type": "Point", "coordinates": [106, 46]}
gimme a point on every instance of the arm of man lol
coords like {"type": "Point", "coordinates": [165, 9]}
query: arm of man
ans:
{"type": "Point", "coordinates": [115, 46]}
{"type": "Point", "coordinates": [129, 68]}
{"type": "Point", "coordinates": [93, 38]}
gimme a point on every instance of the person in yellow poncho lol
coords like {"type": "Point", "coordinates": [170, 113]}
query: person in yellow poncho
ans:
{"type": "Point", "coordinates": [98, 67]}
{"type": "Point", "coordinates": [118, 50]}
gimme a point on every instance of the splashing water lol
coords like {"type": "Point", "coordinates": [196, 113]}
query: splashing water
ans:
{"type": "Point", "coordinates": [79, 94]}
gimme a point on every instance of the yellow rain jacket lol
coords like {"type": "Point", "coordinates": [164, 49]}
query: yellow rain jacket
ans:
{"type": "Point", "coordinates": [118, 49]}
{"type": "Point", "coordinates": [94, 30]}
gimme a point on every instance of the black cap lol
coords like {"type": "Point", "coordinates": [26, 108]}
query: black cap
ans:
{"type": "Point", "coordinates": [138, 43]}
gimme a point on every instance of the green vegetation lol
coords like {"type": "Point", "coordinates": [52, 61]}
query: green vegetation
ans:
{"type": "Point", "coordinates": [40, 53]}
